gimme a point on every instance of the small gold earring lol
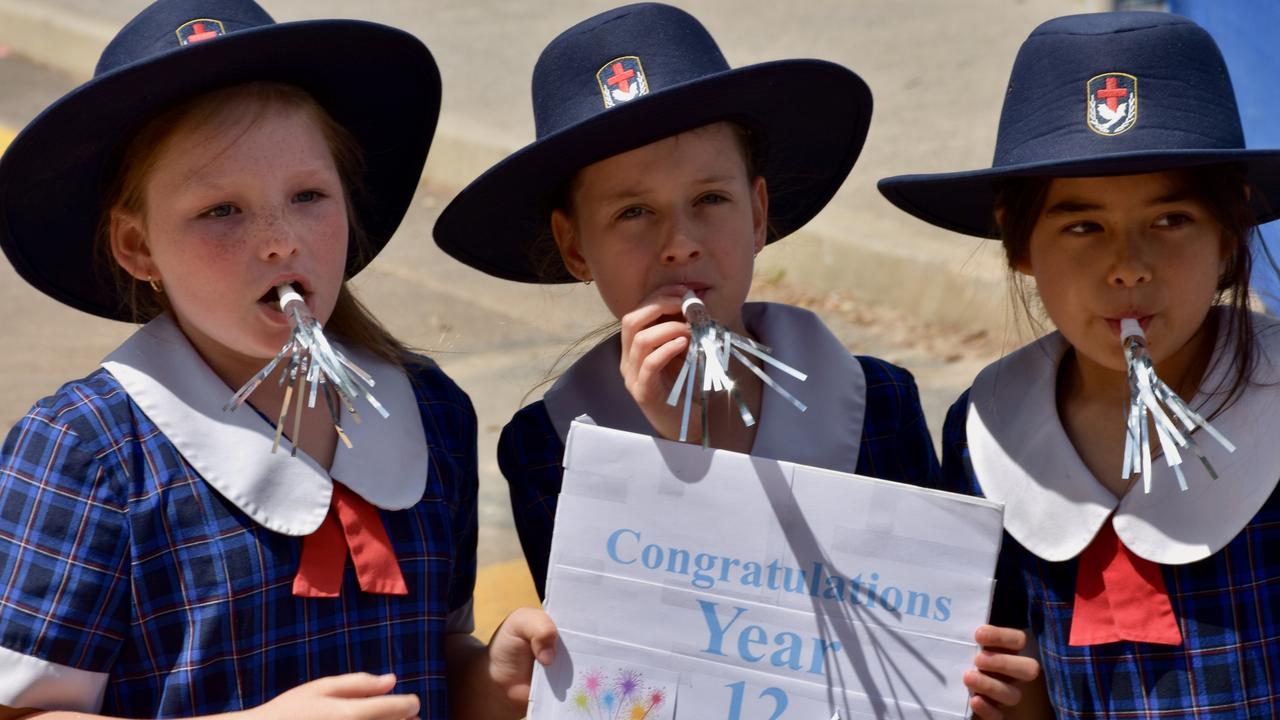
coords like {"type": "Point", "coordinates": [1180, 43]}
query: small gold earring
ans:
{"type": "Point", "coordinates": [588, 281]}
{"type": "Point", "coordinates": [155, 285]}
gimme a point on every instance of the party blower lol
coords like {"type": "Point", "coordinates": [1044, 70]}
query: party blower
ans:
{"type": "Point", "coordinates": [314, 362]}
{"type": "Point", "coordinates": [1149, 396]}
{"type": "Point", "coordinates": [711, 347]}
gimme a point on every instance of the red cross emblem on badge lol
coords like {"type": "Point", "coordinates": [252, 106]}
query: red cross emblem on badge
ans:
{"type": "Point", "coordinates": [621, 80]}
{"type": "Point", "coordinates": [199, 31]}
{"type": "Point", "coordinates": [1111, 103]}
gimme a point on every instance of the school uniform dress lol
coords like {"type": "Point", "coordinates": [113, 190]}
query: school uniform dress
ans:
{"type": "Point", "coordinates": [1215, 548]}
{"type": "Point", "coordinates": [149, 540]}
{"type": "Point", "coordinates": [863, 417]}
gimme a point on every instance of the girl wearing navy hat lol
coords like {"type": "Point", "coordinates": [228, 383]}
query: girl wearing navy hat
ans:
{"type": "Point", "coordinates": [1122, 188]}
{"type": "Point", "coordinates": [156, 558]}
{"type": "Point", "coordinates": [648, 178]}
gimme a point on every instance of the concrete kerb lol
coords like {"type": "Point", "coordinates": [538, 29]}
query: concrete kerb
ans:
{"type": "Point", "coordinates": [947, 287]}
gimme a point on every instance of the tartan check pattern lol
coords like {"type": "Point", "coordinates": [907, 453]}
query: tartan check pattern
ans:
{"type": "Point", "coordinates": [117, 558]}
{"type": "Point", "coordinates": [1227, 606]}
{"type": "Point", "coordinates": [895, 445]}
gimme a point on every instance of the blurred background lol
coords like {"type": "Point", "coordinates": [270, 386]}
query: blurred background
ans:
{"type": "Point", "coordinates": [888, 285]}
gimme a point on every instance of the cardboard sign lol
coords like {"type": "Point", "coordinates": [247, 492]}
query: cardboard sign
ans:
{"type": "Point", "coordinates": [710, 585]}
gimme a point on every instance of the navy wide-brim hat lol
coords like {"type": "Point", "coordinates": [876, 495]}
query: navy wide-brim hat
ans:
{"type": "Point", "coordinates": [1102, 94]}
{"type": "Point", "coordinates": [632, 76]}
{"type": "Point", "coordinates": [378, 82]}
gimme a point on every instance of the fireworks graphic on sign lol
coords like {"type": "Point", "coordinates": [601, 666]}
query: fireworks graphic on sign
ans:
{"type": "Point", "coordinates": [624, 696]}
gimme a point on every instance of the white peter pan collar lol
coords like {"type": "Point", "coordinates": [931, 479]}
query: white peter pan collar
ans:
{"type": "Point", "coordinates": [1054, 506]}
{"type": "Point", "coordinates": [826, 435]}
{"type": "Point", "coordinates": [177, 390]}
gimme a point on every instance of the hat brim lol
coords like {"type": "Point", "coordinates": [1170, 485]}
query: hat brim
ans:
{"type": "Point", "coordinates": [964, 202]}
{"type": "Point", "coordinates": [378, 82]}
{"type": "Point", "coordinates": [812, 117]}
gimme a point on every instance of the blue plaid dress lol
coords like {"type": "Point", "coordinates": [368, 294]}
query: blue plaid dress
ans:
{"type": "Point", "coordinates": [1227, 606]}
{"type": "Point", "coordinates": [117, 558]}
{"type": "Point", "coordinates": [895, 445]}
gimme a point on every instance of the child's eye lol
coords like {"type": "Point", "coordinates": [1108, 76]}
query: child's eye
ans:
{"type": "Point", "coordinates": [307, 196]}
{"type": "Point", "coordinates": [634, 211]}
{"type": "Point", "coordinates": [1173, 220]}
{"type": "Point", "coordinates": [1083, 227]}
{"type": "Point", "coordinates": [220, 211]}
{"type": "Point", "coordinates": [713, 199]}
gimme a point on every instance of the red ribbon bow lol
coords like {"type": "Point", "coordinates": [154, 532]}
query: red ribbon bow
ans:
{"type": "Point", "coordinates": [1120, 596]}
{"type": "Point", "coordinates": [351, 524]}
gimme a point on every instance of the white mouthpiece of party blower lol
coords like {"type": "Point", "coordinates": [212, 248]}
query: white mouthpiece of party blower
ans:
{"type": "Point", "coordinates": [1130, 327]}
{"type": "Point", "coordinates": [691, 299]}
{"type": "Point", "coordinates": [288, 294]}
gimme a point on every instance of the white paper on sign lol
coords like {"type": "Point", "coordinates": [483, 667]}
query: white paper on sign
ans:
{"type": "Point", "coordinates": [739, 587]}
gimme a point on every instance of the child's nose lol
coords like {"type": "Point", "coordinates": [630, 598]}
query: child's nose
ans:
{"type": "Point", "coordinates": [276, 237]}
{"type": "Point", "coordinates": [1130, 267]}
{"type": "Point", "coordinates": [679, 244]}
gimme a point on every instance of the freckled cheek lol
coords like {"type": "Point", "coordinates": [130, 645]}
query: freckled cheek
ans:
{"type": "Point", "coordinates": [179, 248]}
{"type": "Point", "coordinates": [227, 250]}
{"type": "Point", "coordinates": [332, 240]}
{"type": "Point", "coordinates": [327, 231]}
{"type": "Point", "coordinates": [216, 244]}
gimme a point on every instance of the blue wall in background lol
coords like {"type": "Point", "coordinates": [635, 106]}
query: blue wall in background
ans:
{"type": "Point", "coordinates": [1248, 31]}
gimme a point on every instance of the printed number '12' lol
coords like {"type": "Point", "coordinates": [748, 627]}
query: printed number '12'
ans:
{"type": "Point", "coordinates": [735, 703]}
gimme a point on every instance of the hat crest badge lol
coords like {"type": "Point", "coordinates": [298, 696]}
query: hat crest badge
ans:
{"type": "Point", "coordinates": [1111, 103]}
{"type": "Point", "coordinates": [622, 80]}
{"type": "Point", "coordinates": [199, 30]}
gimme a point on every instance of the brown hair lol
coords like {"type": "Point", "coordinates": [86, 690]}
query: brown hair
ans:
{"type": "Point", "coordinates": [350, 320]}
{"type": "Point", "coordinates": [1223, 189]}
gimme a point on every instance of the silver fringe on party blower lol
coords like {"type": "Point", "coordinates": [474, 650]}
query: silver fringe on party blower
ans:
{"type": "Point", "coordinates": [311, 361]}
{"type": "Point", "coordinates": [711, 345]}
{"type": "Point", "coordinates": [1150, 396]}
